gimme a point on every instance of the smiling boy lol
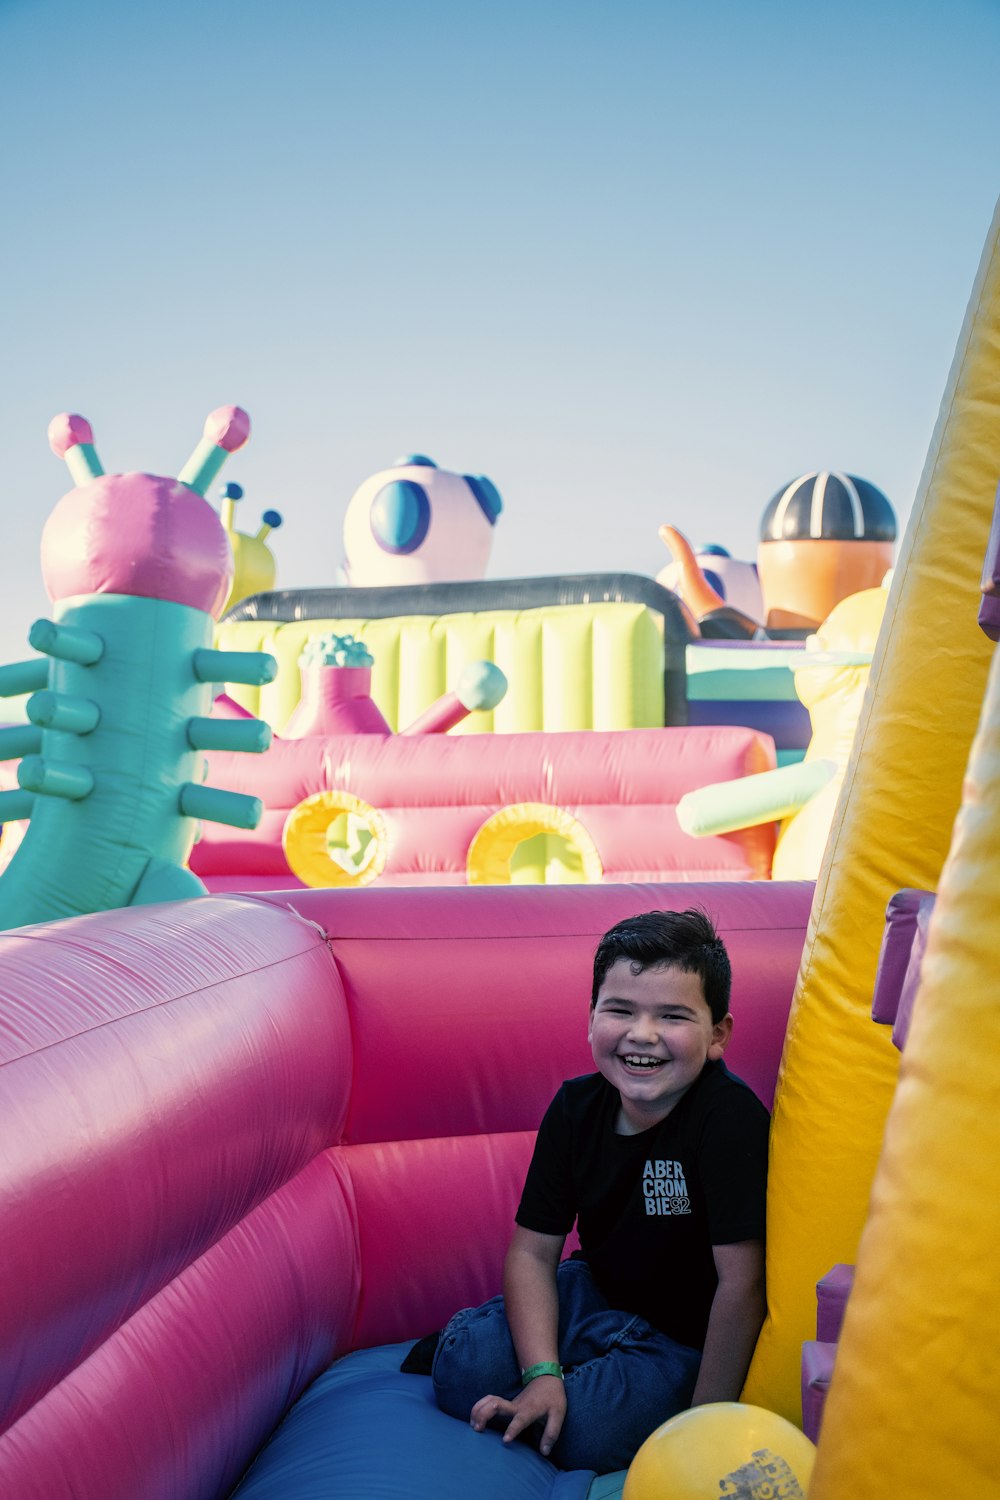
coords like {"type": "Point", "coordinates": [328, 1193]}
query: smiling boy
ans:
{"type": "Point", "coordinates": [660, 1159]}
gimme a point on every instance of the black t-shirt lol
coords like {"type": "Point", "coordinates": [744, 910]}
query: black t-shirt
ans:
{"type": "Point", "coordinates": [649, 1207]}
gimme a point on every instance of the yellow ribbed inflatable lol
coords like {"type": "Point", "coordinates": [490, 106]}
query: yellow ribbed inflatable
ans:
{"type": "Point", "coordinates": [569, 666]}
{"type": "Point", "coordinates": [892, 828]}
{"type": "Point", "coordinates": [912, 1409]}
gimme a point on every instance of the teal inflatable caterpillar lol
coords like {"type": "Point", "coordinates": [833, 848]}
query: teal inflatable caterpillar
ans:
{"type": "Point", "coordinates": [112, 763]}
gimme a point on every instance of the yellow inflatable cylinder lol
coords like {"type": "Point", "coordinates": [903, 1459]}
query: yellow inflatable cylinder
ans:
{"type": "Point", "coordinates": [892, 828]}
{"type": "Point", "coordinates": [912, 1406]}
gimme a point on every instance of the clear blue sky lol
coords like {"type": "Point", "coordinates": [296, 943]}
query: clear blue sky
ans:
{"type": "Point", "coordinates": [636, 260]}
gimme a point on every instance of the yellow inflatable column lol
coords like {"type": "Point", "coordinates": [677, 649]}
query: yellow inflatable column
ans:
{"type": "Point", "coordinates": [892, 828]}
{"type": "Point", "coordinates": [913, 1405]}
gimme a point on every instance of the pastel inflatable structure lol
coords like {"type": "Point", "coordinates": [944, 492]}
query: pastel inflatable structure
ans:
{"type": "Point", "coordinates": [416, 523]}
{"type": "Point", "coordinates": [823, 538]}
{"type": "Point", "coordinates": [510, 808]}
{"type": "Point", "coordinates": [244, 1137]}
{"type": "Point", "coordinates": [254, 565]}
{"type": "Point", "coordinates": [442, 810]}
{"type": "Point", "coordinates": [589, 651]}
{"type": "Point", "coordinates": [592, 651]}
{"type": "Point", "coordinates": [111, 764]}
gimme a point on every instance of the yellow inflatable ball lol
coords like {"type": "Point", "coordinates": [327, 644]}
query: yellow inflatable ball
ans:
{"type": "Point", "coordinates": [723, 1449]}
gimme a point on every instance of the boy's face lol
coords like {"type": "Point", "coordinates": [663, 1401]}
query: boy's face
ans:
{"type": "Point", "coordinates": [651, 1034]}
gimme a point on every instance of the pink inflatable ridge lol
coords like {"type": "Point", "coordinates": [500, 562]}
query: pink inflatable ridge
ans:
{"type": "Point", "coordinates": [67, 431]}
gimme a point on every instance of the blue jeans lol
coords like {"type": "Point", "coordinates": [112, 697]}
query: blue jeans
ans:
{"type": "Point", "coordinates": [623, 1377]}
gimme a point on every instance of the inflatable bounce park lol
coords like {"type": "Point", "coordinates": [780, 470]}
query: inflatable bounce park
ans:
{"type": "Point", "coordinates": [299, 897]}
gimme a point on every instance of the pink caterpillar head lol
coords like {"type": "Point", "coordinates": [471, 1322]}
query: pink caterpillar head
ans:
{"type": "Point", "coordinates": [141, 534]}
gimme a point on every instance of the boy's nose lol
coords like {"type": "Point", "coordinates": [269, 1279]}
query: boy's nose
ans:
{"type": "Point", "coordinates": [643, 1028]}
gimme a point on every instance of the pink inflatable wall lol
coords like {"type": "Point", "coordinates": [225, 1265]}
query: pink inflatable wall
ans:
{"type": "Point", "coordinates": [223, 1120]}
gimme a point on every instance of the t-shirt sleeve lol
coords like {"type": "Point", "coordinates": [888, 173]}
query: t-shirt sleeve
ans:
{"type": "Point", "coordinates": [548, 1201]}
{"type": "Point", "coordinates": [733, 1163]}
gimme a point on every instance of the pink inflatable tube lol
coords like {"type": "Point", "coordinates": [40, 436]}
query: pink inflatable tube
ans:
{"type": "Point", "coordinates": [434, 793]}
{"type": "Point", "coordinates": [225, 1121]}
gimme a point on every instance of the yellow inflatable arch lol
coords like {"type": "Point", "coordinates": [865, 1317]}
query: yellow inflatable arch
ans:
{"type": "Point", "coordinates": [335, 839]}
{"type": "Point", "coordinates": [568, 856]}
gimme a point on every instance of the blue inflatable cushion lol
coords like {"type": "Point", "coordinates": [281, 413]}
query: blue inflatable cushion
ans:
{"type": "Point", "coordinates": [365, 1431]}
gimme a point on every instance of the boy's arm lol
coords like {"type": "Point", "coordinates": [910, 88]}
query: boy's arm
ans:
{"type": "Point", "coordinates": [734, 1322]}
{"type": "Point", "coordinates": [532, 1307]}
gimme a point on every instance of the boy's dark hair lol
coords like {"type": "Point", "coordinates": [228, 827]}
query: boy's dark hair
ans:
{"type": "Point", "coordinates": [685, 940]}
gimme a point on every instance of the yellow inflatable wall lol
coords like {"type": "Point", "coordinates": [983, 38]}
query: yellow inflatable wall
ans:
{"type": "Point", "coordinates": [912, 1409]}
{"type": "Point", "coordinates": [892, 828]}
{"type": "Point", "coordinates": [572, 666]}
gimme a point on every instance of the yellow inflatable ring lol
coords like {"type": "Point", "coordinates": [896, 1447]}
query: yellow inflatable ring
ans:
{"type": "Point", "coordinates": [489, 856]}
{"type": "Point", "coordinates": [335, 839]}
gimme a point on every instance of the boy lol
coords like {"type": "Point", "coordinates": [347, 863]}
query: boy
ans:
{"type": "Point", "coordinates": [660, 1157]}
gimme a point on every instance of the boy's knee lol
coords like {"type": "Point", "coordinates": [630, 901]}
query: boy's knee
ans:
{"type": "Point", "coordinates": [615, 1401]}
{"type": "Point", "coordinates": [592, 1441]}
{"type": "Point", "coordinates": [603, 1440]}
{"type": "Point", "coordinates": [475, 1357]}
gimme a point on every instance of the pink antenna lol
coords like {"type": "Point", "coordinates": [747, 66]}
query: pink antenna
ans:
{"type": "Point", "coordinates": [226, 429]}
{"type": "Point", "coordinates": [71, 437]}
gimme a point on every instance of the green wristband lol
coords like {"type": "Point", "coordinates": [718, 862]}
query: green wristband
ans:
{"type": "Point", "coordinates": [547, 1367]}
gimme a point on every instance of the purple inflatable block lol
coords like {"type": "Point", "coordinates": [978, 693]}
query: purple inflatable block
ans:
{"type": "Point", "coordinates": [911, 980]}
{"type": "Point", "coordinates": [989, 610]}
{"type": "Point", "coordinates": [894, 955]}
{"type": "Point", "coordinates": [989, 616]}
{"type": "Point", "coordinates": [817, 1370]}
{"type": "Point", "coordinates": [832, 1292]}
{"type": "Point", "coordinates": [818, 1355]}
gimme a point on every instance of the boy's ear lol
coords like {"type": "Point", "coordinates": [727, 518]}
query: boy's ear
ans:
{"type": "Point", "coordinates": [721, 1034]}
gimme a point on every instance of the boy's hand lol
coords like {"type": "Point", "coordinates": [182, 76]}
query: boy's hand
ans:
{"type": "Point", "coordinates": [543, 1399]}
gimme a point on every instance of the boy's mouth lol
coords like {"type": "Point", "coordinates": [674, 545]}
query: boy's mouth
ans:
{"type": "Point", "coordinates": [645, 1064]}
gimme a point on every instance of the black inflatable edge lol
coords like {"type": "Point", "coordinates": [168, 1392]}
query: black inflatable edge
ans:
{"type": "Point", "coordinates": [288, 605]}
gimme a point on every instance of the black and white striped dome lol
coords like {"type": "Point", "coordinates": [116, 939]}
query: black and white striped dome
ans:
{"type": "Point", "coordinates": [828, 507]}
